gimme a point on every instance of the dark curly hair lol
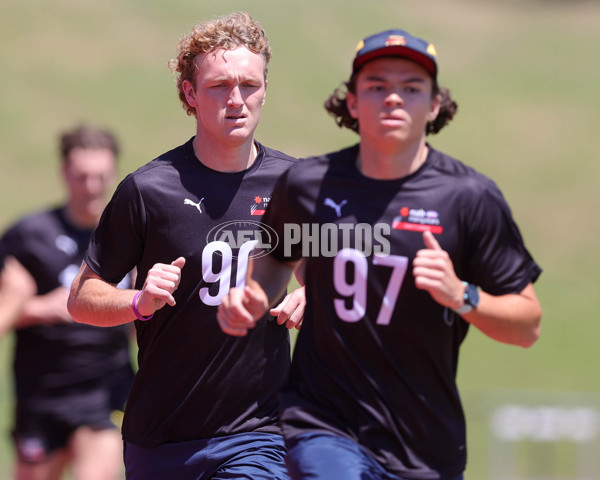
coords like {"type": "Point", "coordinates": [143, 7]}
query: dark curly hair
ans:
{"type": "Point", "coordinates": [228, 32]}
{"type": "Point", "coordinates": [336, 106]}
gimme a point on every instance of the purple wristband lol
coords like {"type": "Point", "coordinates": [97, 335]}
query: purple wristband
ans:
{"type": "Point", "coordinates": [136, 312]}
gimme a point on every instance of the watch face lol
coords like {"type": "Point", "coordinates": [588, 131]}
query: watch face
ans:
{"type": "Point", "coordinates": [472, 295]}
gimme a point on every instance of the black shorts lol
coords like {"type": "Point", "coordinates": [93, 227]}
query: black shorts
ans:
{"type": "Point", "coordinates": [43, 425]}
{"type": "Point", "coordinates": [37, 435]}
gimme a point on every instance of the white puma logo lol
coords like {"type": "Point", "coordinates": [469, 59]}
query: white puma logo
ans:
{"type": "Point", "coordinates": [187, 201]}
{"type": "Point", "coordinates": [328, 202]}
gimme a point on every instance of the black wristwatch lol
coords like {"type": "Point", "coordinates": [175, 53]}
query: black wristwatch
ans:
{"type": "Point", "coordinates": [470, 299]}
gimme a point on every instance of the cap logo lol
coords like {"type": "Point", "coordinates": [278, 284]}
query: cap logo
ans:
{"type": "Point", "coordinates": [394, 40]}
{"type": "Point", "coordinates": [431, 50]}
{"type": "Point", "coordinates": [360, 45]}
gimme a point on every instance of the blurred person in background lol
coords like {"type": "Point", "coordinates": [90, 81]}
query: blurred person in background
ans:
{"type": "Point", "coordinates": [203, 404]}
{"type": "Point", "coordinates": [372, 391]}
{"type": "Point", "coordinates": [70, 379]}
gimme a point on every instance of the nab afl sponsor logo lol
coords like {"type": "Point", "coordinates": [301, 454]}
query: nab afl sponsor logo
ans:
{"type": "Point", "coordinates": [418, 220]}
{"type": "Point", "coordinates": [260, 205]}
{"type": "Point", "coordinates": [242, 234]}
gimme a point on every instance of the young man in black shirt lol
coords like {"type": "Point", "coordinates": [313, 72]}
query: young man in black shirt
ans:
{"type": "Point", "coordinates": [203, 404]}
{"type": "Point", "coordinates": [405, 248]}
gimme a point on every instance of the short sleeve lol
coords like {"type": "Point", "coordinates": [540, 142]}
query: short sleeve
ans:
{"type": "Point", "coordinates": [498, 260]}
{"type": "Point", "coordinates": [118, 242]}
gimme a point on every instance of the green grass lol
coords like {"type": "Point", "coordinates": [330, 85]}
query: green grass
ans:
{"type": "Point", "coordinates": [525, 75]}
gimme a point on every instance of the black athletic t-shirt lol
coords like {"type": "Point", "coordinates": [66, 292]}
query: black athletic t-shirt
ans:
{"type": "Point", "coordinates": [194, 381]}
{"type": "Point", "coordinates": [55, 362]}
{"type": "Point", "coordinates": [383, 372]}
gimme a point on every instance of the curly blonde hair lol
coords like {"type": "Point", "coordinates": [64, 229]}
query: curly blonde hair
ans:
{"type": "Point", "coordinates": [227, 32]}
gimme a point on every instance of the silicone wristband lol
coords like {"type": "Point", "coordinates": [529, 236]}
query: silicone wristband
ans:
{"type": "Point", "coordinates": [136, 312]}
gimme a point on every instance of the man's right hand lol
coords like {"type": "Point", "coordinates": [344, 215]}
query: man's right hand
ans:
{"type": "Point", "coordinates": [162, 280]}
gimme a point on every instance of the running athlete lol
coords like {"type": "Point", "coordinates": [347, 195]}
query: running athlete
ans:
{"type": "Point", "coordinates": [425, 247]}
{"type": "Point", "coordinates": [69, 378]}
{"type": "Point", "coordinates": [203, 404]}
{"type": "Point", "coordinates": [16, 286]}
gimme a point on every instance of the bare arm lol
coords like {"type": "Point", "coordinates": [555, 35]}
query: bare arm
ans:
{"type": "Point", "coordinates": [96, 302]}
{"type": "Point", "coordinates": [512, 318]}
{"type": "Point", "coordinates": [290, 312]}
{"type": "Point", "coordinates": [300, 272]}
{"type": "Point", "coordinates": [47, 309]}
{"type": "Point", "coordinates": [16, 287]}
{"type": "Point", "coordinates": [266, 281]}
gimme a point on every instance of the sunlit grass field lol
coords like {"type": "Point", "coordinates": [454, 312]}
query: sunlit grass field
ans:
{"type": "Point", "coordinates": [524, 73]}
